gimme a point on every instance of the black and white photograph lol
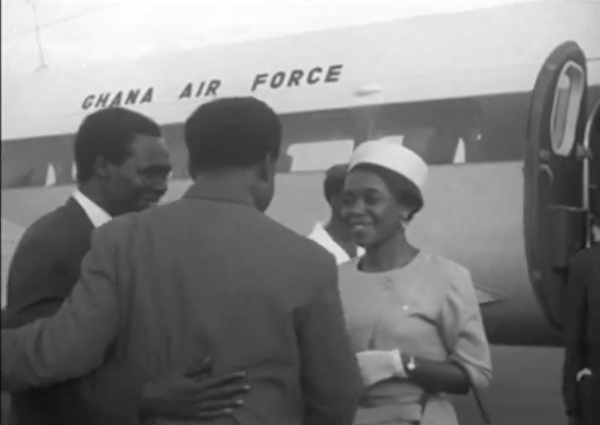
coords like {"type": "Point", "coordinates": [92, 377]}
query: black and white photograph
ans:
{"type": "Point", "coordinates": [300, 212]}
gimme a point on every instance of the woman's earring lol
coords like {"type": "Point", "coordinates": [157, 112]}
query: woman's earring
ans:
{"type": "Point", "coordinates": [403, 223]}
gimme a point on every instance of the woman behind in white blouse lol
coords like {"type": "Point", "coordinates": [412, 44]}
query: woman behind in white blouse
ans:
{"type": "Point", "coordinates": [413, 317]}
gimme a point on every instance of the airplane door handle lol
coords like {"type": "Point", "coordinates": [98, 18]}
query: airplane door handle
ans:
{"type": "Point", "coordinates": [546, 169]}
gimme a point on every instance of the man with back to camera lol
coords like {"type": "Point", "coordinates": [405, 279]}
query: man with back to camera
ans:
{"type": "Point", "coordinates": [122, 166]}
{"type": "Point", "coordinates": [209, 274]}
{"type": "Point", "coordinates": [335, 235]}
{"type": "Point", "coordinates": [581, 372]}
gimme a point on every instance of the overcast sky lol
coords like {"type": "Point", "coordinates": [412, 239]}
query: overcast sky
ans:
{"type": "Point", "coordinates": [76, 33]}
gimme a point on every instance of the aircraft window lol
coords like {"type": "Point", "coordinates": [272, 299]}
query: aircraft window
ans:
{"type": "Point", "coordinates": [460, 156]}
{"type": "Point", "coordinates": [441, 132]}
{"type": "Point", "coordinates": [173, 134]}
{"type": "Point", "coordinates": [319, 155]}
{"type": "Point", "coordinates": [448, 131]}
{"type": "Point", "coordinates": [44, 161]}
{"type": "Point", "coordinates": [565, 109]}
{"type": "Point", "coordinates": [50, 176]}
{"type": "Point", "coordinates": [315, 141]}
{"type": "Point", "coordinates": [452, 131]}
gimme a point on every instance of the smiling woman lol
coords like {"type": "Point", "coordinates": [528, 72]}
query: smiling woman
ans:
{"type": "Point", "coordinates": [413, 317]}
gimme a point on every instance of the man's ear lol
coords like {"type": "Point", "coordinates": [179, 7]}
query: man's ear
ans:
{"type": "Point", "coordinates": [267, 167]}
{"type": "Point", "coordinates": [191, 169]}
{"type": "Point", "coordinates": [101, 168]}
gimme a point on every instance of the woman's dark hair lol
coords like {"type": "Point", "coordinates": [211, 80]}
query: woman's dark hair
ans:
{"type": "Point", "coordinates": [404, 190]}
{"type": "Point", "coordinates": [333, 185]}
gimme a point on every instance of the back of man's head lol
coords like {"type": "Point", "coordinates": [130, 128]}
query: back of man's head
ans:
{"type": "Point", "coordinates": [231, 133]}
{"type": "Point", "coordinates": [107, 134]}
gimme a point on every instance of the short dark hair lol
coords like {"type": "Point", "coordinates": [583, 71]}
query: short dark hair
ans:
{"type": "Point", "coordinates": [107, 133]}
{"type": "Point", "coordinates": [406, 192]}
{"type": "Point", "coordinates": [335, 177]}
{"type": "Point", "coordinates": [231, 132]}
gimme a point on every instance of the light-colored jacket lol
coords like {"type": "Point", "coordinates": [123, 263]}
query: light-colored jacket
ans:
{"type": "Point", "coordinates": [428, 309]}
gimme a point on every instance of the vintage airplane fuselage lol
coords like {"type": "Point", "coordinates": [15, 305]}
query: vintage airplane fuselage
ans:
{"type": "Point", "coordinates": [465, 112]}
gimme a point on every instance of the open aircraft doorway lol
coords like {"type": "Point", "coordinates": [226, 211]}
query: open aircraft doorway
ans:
{"type": "Point", "coordinates": [592, 163]}
{"type": "Point", "coordinates": [555, 216]}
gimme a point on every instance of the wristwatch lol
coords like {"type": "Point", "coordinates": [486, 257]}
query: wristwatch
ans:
{"type": "Point", "coordinates": [410, 365]}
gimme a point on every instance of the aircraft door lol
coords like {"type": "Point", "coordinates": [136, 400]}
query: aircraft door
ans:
{"type": "Point", "coordinates": [592, 142]}
{"type": "Point", "coordinates": [555, 216]}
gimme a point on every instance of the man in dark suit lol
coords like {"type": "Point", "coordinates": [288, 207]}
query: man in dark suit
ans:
{"type": "Point", "coordinates": [209, 274]}
{"type": "Point", "coordinates": [581, 375]}
{"type": "Point", "coordinates": [122, 166]}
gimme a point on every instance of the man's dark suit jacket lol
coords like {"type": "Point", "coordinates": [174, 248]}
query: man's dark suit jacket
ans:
{"type": "Point", "coordinates": [45, 267]}
{"type": "Point", "coordinates": [205, 275]}
{"type": "Point", "coordinates": [582, 331]}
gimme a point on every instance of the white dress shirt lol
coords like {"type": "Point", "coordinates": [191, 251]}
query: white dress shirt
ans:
{"type": "Point", "coordinates": [97, 215]}
{"type": "Point", "coordinates": [323, 238]}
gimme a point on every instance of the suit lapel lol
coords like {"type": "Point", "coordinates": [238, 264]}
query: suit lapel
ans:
{"type": "Point", "coordinates": [80, 220]}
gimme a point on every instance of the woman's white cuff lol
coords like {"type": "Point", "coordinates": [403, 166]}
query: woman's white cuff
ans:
{"type": "Point", "coordinates": [399, 371]}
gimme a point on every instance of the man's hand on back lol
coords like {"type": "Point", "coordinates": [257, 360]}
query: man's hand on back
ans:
{"type": "Point", "coordinates": [190, 392]}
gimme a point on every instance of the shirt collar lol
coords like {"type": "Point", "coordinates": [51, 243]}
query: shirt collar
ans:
{"type": "Point", "coordinates": [323, 238]}
{"type": "Point", "coordinates": [97, 215]}
{"type": "Point", "coordinates": [220, 191]}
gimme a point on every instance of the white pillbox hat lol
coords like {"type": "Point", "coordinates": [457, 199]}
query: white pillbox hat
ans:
{"type": "Point", "coordinates": [390, 154]}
